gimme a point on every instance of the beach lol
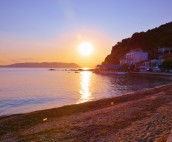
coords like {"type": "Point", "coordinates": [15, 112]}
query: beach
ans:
{"type": "Point", "coordinates": [142, 116]}
{"type": "Point", "coordinates": [85, 71]}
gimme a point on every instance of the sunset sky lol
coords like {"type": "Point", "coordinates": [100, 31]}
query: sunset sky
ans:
{"type": "Point", "coordinates": [52, 30]}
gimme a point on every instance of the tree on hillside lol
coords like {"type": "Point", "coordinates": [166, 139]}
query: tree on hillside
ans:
{"type": "Point", "coordinates": [148, 41]}
{"type": "Point", "coordinates": [167, 64]}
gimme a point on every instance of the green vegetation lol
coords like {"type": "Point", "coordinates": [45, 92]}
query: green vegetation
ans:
{"type": "Point", "coordinates": [149, 41]}
{"type": "Point", "coordinates": [167, 64]}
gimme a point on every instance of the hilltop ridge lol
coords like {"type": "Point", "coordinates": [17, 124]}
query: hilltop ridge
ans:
{"type": "Point", "coordinates": [148, 41]}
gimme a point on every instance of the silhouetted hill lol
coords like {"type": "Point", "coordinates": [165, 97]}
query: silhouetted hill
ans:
{"type": "Point", "coordinates": [44, 65]}
{"type": "Point", "coordinates": [149, 41]}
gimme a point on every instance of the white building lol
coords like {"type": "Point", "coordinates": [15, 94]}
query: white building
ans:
{"type": "Point", "coordinates": [134, 56]}
{"type": "Point", "coordinates": [165, 49]}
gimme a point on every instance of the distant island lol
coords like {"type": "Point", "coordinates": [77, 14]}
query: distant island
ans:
{"type": "Point", "coordinates": [43, 65]}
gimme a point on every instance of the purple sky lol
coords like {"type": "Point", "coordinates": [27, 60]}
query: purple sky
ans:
{"type": "Point", "coordinates": [43, 25]}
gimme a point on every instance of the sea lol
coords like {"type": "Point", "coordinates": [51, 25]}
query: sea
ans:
{"type": "Point", "coordinates": [30, 89]}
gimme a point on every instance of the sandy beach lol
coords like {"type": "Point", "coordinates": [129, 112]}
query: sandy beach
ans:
{"type": "Point", "coordinates": [143, 116]}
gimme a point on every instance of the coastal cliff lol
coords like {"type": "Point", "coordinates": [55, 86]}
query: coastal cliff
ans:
{"type": "Point", "coordinates": [148, 41]}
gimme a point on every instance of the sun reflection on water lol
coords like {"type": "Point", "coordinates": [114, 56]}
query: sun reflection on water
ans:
{"type": "Point", "coordinates": [85, 86]}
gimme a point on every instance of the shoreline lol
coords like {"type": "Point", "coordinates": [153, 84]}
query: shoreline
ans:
{"type": "Point", "coordinates": [66, 123]}
{"type": "Point", "coordinates": [154, 73]}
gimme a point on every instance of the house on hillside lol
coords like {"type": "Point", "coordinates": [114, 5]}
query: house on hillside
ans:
{"type": "Point", "coordinates": [134, 56]}
{"type": "Point", "coordinates": [149, 65]}
{"type": "Point", "coordinates": [166, 57]}
{"type": "Point", "coordinates": [165, 50]}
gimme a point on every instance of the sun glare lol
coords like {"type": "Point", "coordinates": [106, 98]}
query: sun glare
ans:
{"type": "Point", "coordinates": [85, 49]}
{"type": "Point", "coordinates": [85, 87]}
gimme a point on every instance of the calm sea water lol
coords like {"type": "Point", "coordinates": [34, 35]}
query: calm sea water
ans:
{"type": "Point", "coordinates": [24, 90]}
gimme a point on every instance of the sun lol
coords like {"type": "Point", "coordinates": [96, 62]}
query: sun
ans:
{"type": "Point", "coordinates": [85, 48]}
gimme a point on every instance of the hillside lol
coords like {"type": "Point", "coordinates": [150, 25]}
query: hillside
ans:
{"type": "Point", "coordinates": [149, 41]}
{"type": "Point", "coordinates": [44, 65]}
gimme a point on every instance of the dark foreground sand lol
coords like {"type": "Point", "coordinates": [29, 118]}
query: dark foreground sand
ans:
{"type": "Point", "coordinates": [144, 116]}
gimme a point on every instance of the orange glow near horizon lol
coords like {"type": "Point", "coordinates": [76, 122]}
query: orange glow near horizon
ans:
{"type": "Point", "coordinates": [59, 49]}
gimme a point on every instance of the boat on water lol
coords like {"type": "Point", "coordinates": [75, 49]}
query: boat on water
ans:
{"type": "Point", "coordinates": [51, 69]}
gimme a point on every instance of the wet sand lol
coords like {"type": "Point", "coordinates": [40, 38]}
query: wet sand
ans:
{"type": "Point", "coordinates": [143, 116]}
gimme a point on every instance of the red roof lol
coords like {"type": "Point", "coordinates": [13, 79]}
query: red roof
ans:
{"type": "Point", "coordinates": [142, 61]}
{"type": "Point", "coordinates": [167, 56]}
